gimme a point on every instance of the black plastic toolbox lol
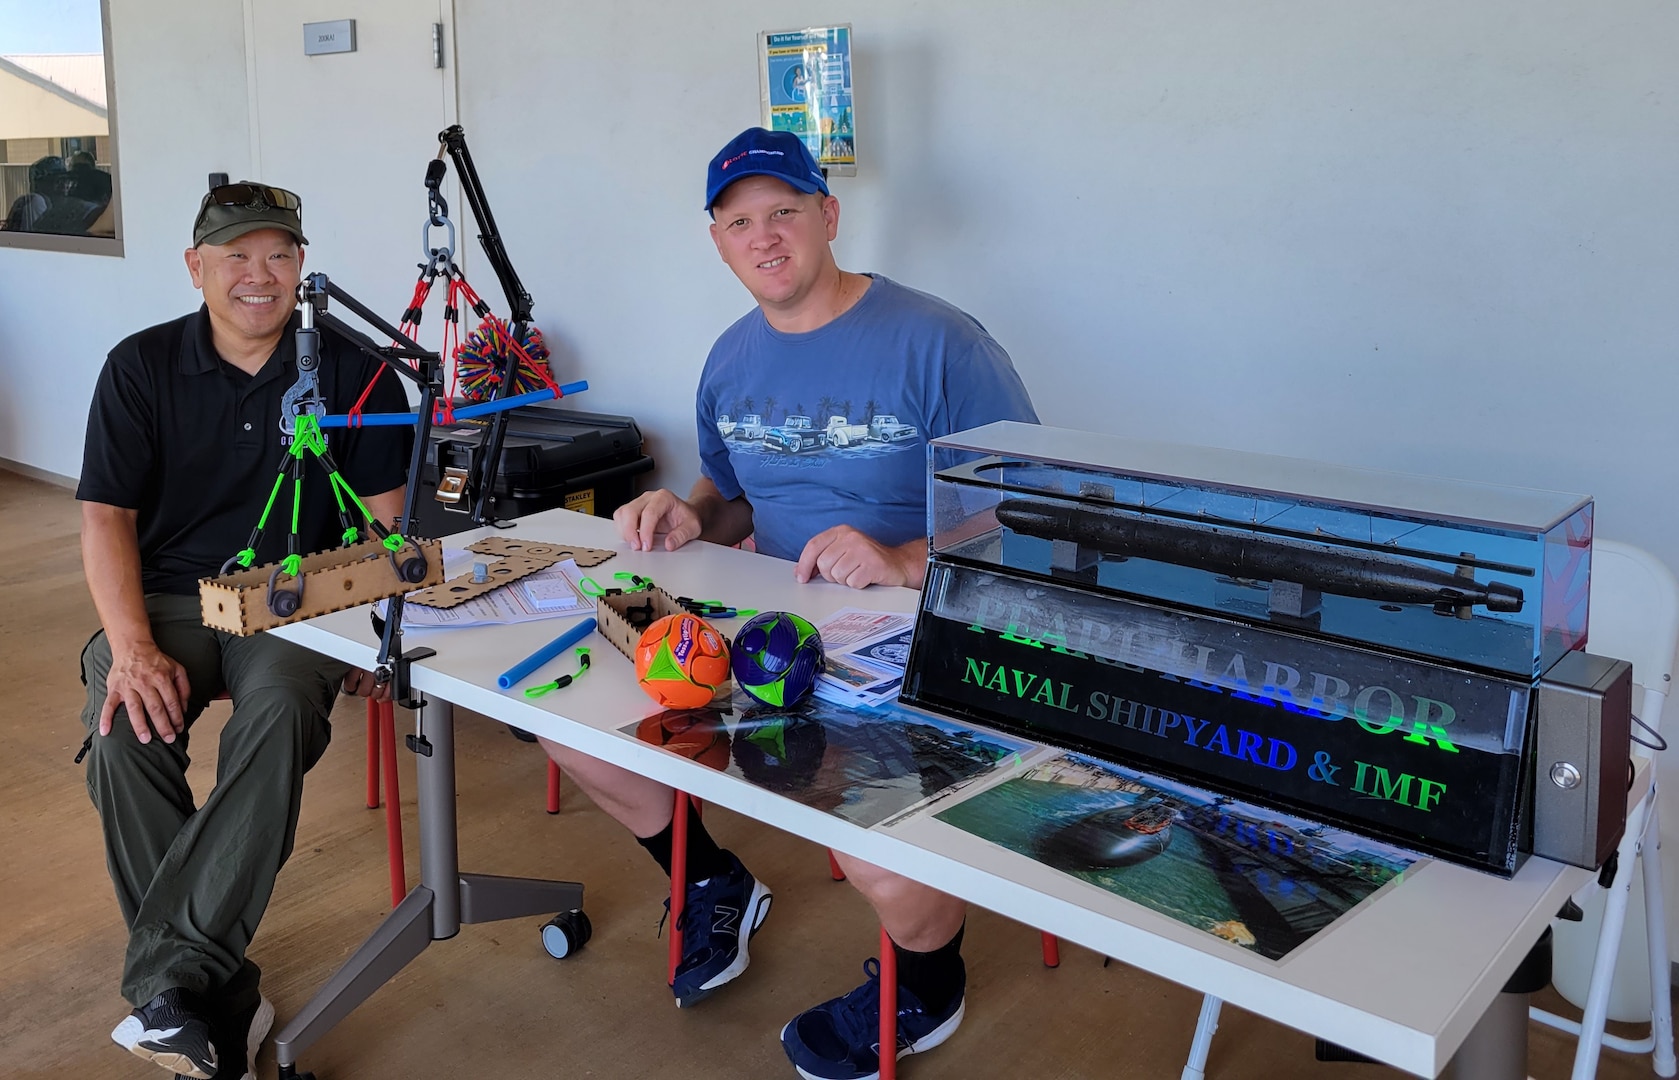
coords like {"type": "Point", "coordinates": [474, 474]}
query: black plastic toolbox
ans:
{"type": "Point", "coordinates": [551, 457]}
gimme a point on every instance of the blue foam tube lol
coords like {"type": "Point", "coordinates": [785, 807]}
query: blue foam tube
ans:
{"type": "Point", "coordinates": [518, 671]}
{"type": "Point", "coordinates": [371, 420]}
{"type": "Point", "coordinates": [483, 408]}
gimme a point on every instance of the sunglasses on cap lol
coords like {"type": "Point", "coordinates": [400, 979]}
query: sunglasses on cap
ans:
{"type": "Point", "coordinates": [252, 196]}
{"type": "Point", "coordinates": [248, 196]}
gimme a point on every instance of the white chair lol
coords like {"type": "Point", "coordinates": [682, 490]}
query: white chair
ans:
{"type": "Point", "coordinates": [1634, 616]}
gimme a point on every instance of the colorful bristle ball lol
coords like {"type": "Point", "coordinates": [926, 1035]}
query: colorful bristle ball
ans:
{"type": "Point", "coordinates": [681, 661]}
{"type": "Point", "coordinates": [483, 355]}
{"type": "Point", "coordinates": [776, 657]}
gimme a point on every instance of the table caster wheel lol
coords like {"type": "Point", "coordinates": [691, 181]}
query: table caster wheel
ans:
{"type": "Point", "coordinates": [566, 933]}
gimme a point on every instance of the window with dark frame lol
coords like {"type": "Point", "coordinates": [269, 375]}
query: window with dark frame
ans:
{"type": "Point", "coordinates": [58, 170]}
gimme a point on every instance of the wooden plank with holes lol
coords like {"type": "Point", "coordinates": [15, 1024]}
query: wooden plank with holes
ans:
{"type": "Point", "coordinates": [516, 559]}
{"type": "Point", "coordinates": [509, 545]}
{"type": "Point", "coordinates": [460, 589]}
{"type": "Point", "coordinates": [332, 581]}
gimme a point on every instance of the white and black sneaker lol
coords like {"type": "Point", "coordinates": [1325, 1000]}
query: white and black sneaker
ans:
{"type": "Point", "coordinates": [239, 1037]}
{"type": "Point", "coordinates": [170, 1030]}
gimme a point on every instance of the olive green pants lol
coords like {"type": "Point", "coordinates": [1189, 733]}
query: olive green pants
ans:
{"type": "Point", "coordinates": [194, 881]}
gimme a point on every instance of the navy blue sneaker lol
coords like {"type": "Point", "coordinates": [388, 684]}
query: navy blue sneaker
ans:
{"type": "Point", "coordinates": [171, 1030]}
{"type": "Point", "coordinates": [714, 949]}
{"type": "Point", "coordinates": [840, 1039]}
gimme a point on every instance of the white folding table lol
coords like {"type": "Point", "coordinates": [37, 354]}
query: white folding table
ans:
{"type": "Point", "coordinates": [1410, 977]}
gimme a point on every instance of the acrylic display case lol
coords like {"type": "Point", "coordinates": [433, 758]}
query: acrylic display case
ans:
{"type": "Point", "coordinates": [1358, 646]}
{"type": "Point", "coordinates": [1474, 574]}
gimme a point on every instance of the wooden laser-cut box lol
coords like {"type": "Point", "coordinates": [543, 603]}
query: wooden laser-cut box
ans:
{"type": "Point", "coordinates": [612, 616]}
{"type": "Point", "coordinates": [332, 581]}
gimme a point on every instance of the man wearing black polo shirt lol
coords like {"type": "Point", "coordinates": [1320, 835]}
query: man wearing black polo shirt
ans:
{"type": "Point", "coordinates": [183, 447]}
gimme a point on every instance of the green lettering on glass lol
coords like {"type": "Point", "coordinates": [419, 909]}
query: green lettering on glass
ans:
{"type": "Point", "coordinates": [1397, 789]}
{"type": "Point", "coordinates": [1016, 633]}
{"type": "Point", "coordinates": [1361, 710]}
{"type": "Point", "coordinates": [1426, 727]}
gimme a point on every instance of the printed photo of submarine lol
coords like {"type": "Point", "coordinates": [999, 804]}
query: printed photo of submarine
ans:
{"type": "Point", "coordinates": [1259, 879]}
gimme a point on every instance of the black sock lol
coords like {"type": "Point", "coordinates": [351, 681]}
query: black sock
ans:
{"type": "Point", "coordinates": [705, 858]}
{"type": "Point", "coordinates": [937, 978]}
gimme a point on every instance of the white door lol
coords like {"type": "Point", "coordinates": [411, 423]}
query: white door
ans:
{"type": "Point", "coordinates": [352, 134]}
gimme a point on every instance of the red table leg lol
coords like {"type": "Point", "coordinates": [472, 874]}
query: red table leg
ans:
{"type": "Point", "coordinates": [678, 879]}
{"type": "Point", "coordinates": [888, 1008]}
{"type": "Point", "coordinates": [372, 754]}
{"type": "Point", "coordinates": [393, 802]}
{"type": "Point", "coordinates": [1052, 950]}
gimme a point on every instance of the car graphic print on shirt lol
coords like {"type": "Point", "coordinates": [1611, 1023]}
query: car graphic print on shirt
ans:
{"type": "Point", "coordinates": [794, 435]}
{"type": "Point", "coordinates": [797, 435]}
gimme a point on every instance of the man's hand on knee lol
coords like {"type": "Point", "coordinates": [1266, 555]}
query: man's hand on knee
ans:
{"type": "Point", "coordinates": [152, 687]}
{"type": "Point", "coordinates": [361, 683]}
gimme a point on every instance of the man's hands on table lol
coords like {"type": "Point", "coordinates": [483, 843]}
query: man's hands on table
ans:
{"type": "Point", "coordinates": [645, 518]}
{"type": "Point", "coordinates": [843, 555]}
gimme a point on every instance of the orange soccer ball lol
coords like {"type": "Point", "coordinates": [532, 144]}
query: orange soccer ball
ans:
{"type": "Point", "coordinates": [681, 661]}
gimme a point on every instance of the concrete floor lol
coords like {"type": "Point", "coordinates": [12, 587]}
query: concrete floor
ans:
{"type": "Point", "coordinates": [491, 1002]}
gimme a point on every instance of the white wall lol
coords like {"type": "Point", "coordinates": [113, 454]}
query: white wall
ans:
{"type": "Point", "coordinates": [1435, 237]}
{"type": "Point", "coordinates": [1432, 236]}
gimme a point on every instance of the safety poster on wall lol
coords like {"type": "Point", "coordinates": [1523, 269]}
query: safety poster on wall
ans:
{"type": "Point", "coordinates": [804, 78]}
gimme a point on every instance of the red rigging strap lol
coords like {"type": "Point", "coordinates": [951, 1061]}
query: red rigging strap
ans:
{"type": "Point", "coordinates": [410, 326]}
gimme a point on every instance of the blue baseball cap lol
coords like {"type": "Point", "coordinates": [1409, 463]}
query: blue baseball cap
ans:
{"type": "Point", "coordinates": [759, 152]}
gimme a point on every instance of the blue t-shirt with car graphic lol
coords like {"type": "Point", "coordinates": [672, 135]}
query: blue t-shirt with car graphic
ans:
{"type": "Point", "coordinates": [831, 427]}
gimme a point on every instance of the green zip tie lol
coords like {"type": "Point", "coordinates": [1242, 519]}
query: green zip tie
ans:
{"type": "Point", "coordinates": [564, 680]}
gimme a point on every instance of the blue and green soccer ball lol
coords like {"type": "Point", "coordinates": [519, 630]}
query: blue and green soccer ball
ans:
{"type": "Point", "coordinates": [776, 658]}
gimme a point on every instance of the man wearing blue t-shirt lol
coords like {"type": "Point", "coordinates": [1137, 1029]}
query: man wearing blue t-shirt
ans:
{"type": "Point", "coordinates": [814, 413]}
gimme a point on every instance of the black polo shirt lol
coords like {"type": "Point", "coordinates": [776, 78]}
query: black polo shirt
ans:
{"type": "Point", "coordinates": [193, 444]}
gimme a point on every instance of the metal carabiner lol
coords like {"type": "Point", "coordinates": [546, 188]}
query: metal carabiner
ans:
{"type": "Point", "coordinates": [433, 255]}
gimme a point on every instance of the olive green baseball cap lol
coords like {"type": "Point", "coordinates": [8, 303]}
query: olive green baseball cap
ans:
{"type": "Point", "coordinates": [232, 210]}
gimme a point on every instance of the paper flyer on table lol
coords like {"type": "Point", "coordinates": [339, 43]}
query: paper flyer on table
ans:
{"type": "Point", "coordinates": [865, 653]}
{"type": "Point", "coordinates": [547, 594]}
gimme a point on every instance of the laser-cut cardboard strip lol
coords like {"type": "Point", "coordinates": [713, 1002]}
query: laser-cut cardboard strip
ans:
{"type": "Point", "coordinates": [554, 552]}
{"type": "Point", "coordinates": [514, 559]}
{"type": "Point", "coordinates": [458, 590]}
